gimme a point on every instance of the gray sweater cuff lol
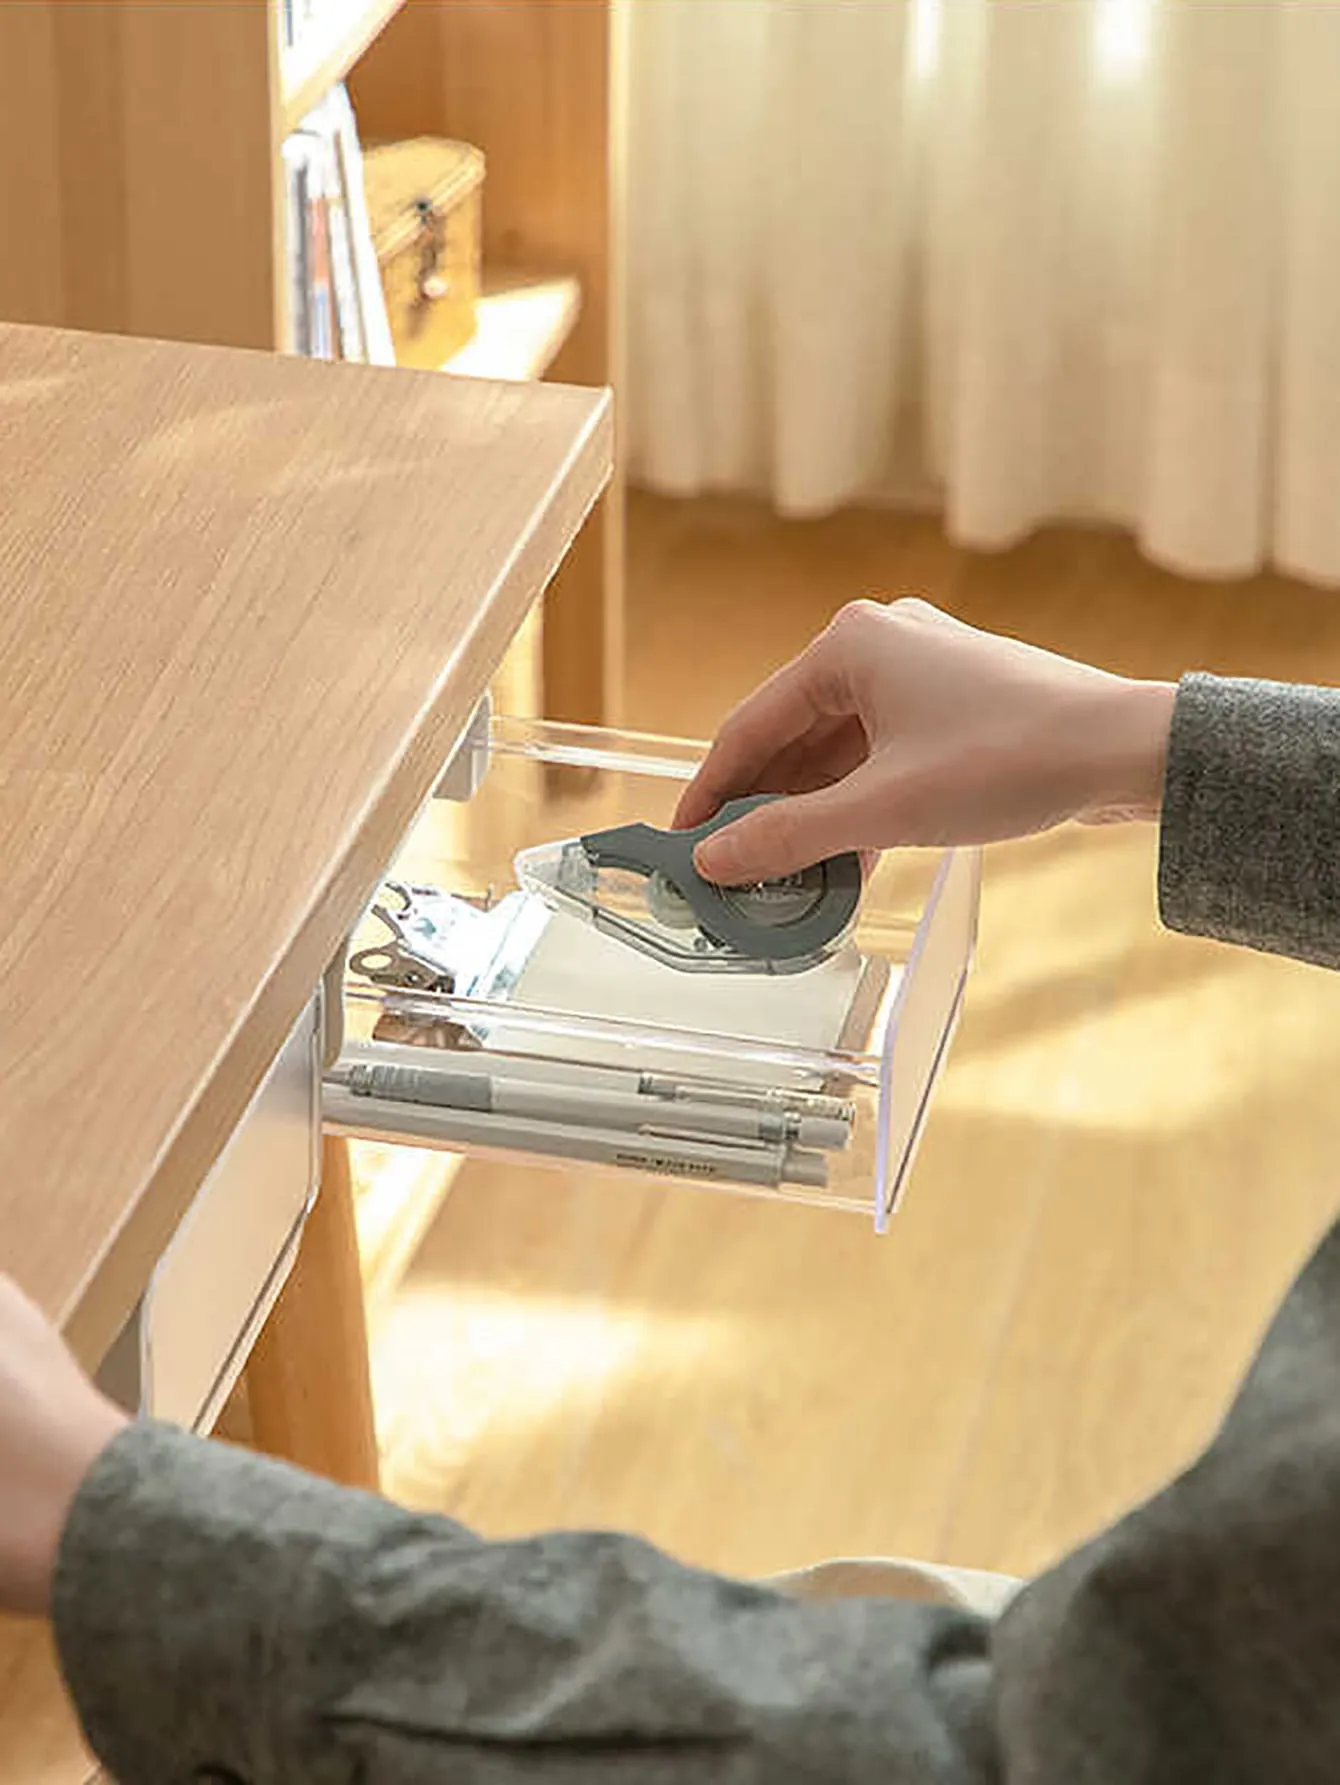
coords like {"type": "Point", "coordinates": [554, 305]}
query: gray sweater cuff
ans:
{"type": "Point", "coordinates": [1250, 840]}
{"type": "Point", "coordinates": [184, 1568]}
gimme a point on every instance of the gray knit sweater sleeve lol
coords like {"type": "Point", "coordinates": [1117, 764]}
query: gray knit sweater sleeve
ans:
{"type": "Point", "coordinates": [223, 1618]}
{"type": "Point", "coordinates": [1250, 842]}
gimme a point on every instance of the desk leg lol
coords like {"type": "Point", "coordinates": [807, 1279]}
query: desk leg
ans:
{"type": "Point", "coordinates": [308, 1385]}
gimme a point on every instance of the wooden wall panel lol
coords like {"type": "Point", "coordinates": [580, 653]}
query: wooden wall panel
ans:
{"type": "Point", "coordinates": [138, 170]}
{"type": "Point", "coordinates": [535, 84]}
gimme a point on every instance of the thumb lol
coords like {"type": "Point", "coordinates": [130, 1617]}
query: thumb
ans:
{"type": "Point", "coordinates": [782, 837]}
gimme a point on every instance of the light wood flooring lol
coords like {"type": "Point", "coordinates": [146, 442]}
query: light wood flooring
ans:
{"type": "Point", "coordinates": [1132, 1150]}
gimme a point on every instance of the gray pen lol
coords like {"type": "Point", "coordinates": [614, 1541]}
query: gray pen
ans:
{"type": "Point", "coordinates": [345, 1112]}
{"type": "Point", "coordinates": [580, 1106]}
{"type": "Point", "coordinates": [581, 1075]}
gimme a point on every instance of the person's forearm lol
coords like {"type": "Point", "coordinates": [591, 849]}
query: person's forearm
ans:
{"type": "Point", "coordinates": [1250, 841]}
{"type": "Point", "coordinates": [219, 1615]}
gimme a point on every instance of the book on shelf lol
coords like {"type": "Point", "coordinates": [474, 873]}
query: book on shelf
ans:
{"type": "Point", "coordinates": [344, 274]}
{"type": "Point", "coordinates": [297, 165]}
{"type": "Point", "coordinates": [337, 305]}
{"type": "Point", "coordinates": [321, 294]}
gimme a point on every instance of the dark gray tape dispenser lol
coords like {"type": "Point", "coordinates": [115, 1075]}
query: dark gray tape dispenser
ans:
{"type": "Point", "coordinates": [796, 918]}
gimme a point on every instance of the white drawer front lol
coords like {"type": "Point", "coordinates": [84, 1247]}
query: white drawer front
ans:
{"type": "Point", "coordinates": [219, 1277]}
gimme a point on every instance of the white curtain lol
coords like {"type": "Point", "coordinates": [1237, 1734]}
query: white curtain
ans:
{"type": "Point", "coordinates": [1026, 259]}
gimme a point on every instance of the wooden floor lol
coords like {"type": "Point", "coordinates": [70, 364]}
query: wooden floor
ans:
{"type": "Point", "coordinates": [1133, 1149]}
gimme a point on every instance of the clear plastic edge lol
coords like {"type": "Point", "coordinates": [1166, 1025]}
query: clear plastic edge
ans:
{"type": "Point", "coordinates": [563, 745]}
{"type": "Point", "coordinates": [815, 1199]}
{"type": "Point", "coordinates": [948, 923]}
{"type": "Point", "coordinates": [862, 1068]}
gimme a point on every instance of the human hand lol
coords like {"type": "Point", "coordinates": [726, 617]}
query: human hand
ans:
{"type": "Point", "coordinates": [53, 1426]}
{"type": "Point", "coordinates": [900, 725]}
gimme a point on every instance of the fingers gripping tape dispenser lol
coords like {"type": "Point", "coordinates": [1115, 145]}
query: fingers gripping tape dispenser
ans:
{"type": "Point", "coordinates": [640, 886]}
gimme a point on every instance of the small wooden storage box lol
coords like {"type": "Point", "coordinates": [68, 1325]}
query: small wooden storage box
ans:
{"type": "Point", "coordinates": [424, 205]}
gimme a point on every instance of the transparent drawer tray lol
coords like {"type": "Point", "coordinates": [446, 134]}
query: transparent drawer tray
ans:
{"type": "Point", "coordinates": [557, 1042]}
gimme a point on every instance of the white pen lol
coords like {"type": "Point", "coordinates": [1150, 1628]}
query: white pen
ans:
{"type": "Point", "coordinates": [810, 1103]}
{"type": "Point", "coordinates": [345, 1112]}
{"type": "Point", "coordinates": [580, 1075]}
{"type": "Point", "coordinates": [502, 1094]}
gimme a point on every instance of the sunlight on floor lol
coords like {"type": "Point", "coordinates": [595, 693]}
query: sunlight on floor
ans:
{"type": "Point", "coordinates": [458, 1365]}
{"type": "Point", "coordinates": [1169, 1032]}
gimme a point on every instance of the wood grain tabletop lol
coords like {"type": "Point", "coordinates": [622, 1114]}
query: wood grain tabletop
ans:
{"type": "Point", "coordinates": [246, 605]}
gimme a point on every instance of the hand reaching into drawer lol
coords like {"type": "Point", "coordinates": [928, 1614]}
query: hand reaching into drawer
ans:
{"type": "Point", "coordinates": [900, 725]}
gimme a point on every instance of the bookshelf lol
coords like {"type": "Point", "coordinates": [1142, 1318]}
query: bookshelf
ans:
{"type": "Point", "coordinates": [141, 192]}
{"type": "Point", "coordinates": [307, 73]}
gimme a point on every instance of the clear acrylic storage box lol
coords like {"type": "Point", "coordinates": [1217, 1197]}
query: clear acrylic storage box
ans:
{"type": "Point", "coordinates": [558, 1042]}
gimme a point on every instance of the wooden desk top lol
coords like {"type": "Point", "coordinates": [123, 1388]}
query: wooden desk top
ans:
{"type": "Point", "coordinates": [246, 605]}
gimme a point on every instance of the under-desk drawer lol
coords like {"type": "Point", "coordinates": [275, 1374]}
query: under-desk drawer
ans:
{"type": "Point", "coordinates": [184, 1346]}
{"type": "Point", "coordinates": [550, 1039]}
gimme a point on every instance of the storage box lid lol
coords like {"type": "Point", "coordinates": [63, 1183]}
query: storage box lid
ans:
{"type": "Point", "coordinates": [399, 176]}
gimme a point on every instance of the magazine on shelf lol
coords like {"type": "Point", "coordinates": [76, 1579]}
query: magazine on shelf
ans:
{"type": "Point", "coordinates": [321, 289]}
{"type": "Point", "coordinates": [344, 277]}
{"type": "Point", "coordinates": [338, 306]}
{"type": "Point", "coordinates": [297, 171]}
{"type": "Point", "coordinates": [376, 326]}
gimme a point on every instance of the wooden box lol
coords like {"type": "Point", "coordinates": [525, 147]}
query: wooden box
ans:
{"type": "Point", "coordinates": [424, 204]}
